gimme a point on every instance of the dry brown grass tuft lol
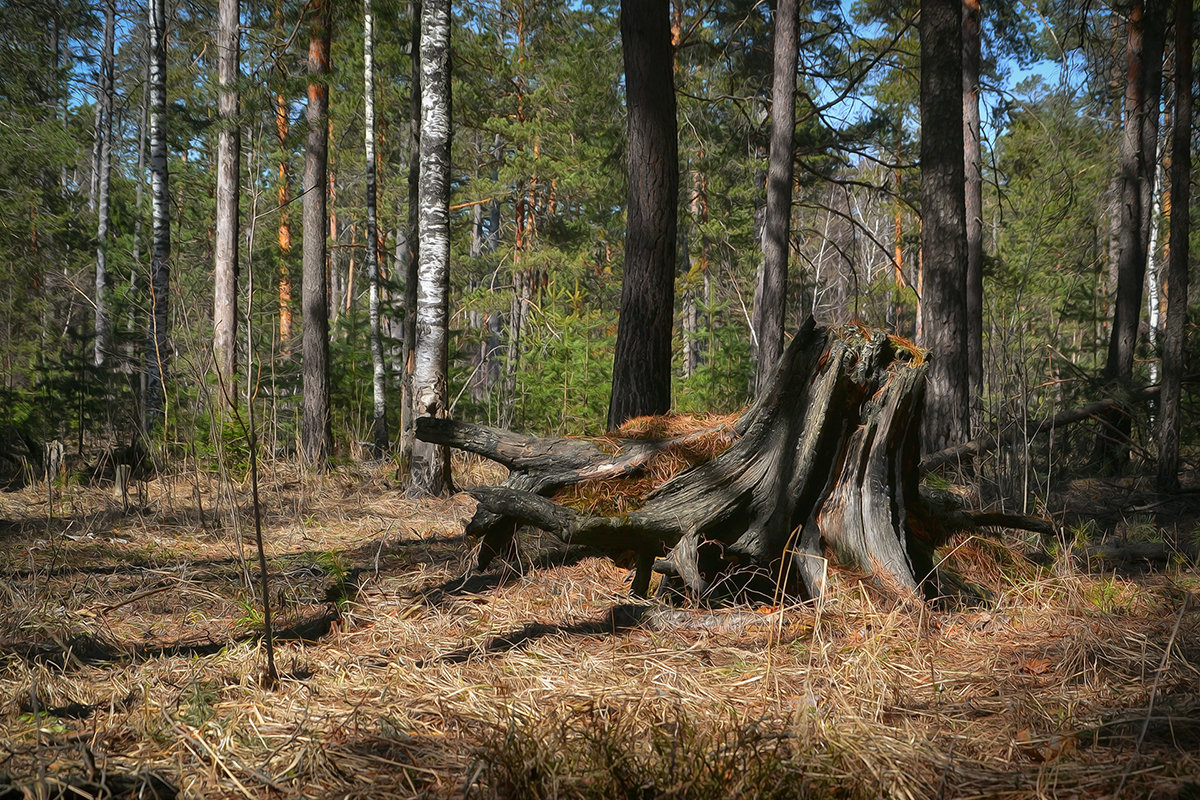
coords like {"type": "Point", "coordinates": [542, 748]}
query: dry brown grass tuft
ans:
{"type": "Point", "coordinates": [130, 653]}
{"type": "Point", "coordinates": [672, 426]}
{"type": "Point", "coordinates": [687, 441]}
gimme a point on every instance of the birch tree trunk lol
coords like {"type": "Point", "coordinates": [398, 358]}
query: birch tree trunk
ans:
{"type": "Point", "coordinates": [1177, 267]}
{"type": "Point", "coordinates": [943, 328]}
{"type": "Point", "coordinates": [431, 463]}
{"type": "Point", "coordinates": [157, 346]}
{"type": "Point", "coordinates": [777, 223]}
{"type": "Point", "coordinates": [143, 124]}
{"type": "Point", "coordinates": [1153, 264]}
{"type": "Point", "coordinates": [642, 361]}
{"type": "Point", "coordinates": [103, 342]}
{"type": "Point", "coordinates": [229, 152]}
{"type": "Point", "coordinates": [379, 371]}
{"type": "Point", "coordinates": [316, 437]}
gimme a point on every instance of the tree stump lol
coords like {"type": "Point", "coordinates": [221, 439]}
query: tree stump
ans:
{"type": "Point", "coordinates": [825, 462]}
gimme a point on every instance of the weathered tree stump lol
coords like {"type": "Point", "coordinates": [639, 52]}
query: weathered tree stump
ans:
{"type": "Point", "coordinates": [825, 461]}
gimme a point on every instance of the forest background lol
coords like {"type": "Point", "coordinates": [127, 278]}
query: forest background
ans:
{"type": "Point", "coordinates": [537, 215]}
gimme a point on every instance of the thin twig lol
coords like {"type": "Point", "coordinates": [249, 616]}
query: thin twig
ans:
{"type": "Point", "coordinates": [1137, 750]}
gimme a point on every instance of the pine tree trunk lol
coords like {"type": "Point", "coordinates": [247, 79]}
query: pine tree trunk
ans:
{"type": "Point", "coordinates": [1147, 26]}
{"type": "Point", "coordinates": [477, 320]}
{"type": "Point", "coordinates": [379, 431]}
{"type": "Point", "coordinates": [103, 342]}
{"type": "Point", "coordinates": [973, 164]}
{"type": "Point", "coordinates": [348, 294]}
{"type": "Point", "coordinates": [943, 325]}
{"type": "Point", "coordinates": [1178, 266]}
{"type": "Point", "coordinates": [431, 463]}
{"type": "Point", "coordinates": [157, 347]}
{"type": "Point", "coordinates": [229, 153]}
{"type": "Point", "coordinates": [642, 361]}
{"type": "Point", "coordinates": [777, 223]}
{"type": "Point", "coordinates": [284, 197]}
{"type": "Point", "coordinates": [316, 437]}
{"type": "Point", "coordinates": [694, 348]}
{"type": "Point", "coordinates": [518, 311]}
{"type": "Point", "coordinates": [333, 267]}
{"type": "Point", "coordinates": [407, 404]}
{"type": "Point", "coordinates": [899, 323]}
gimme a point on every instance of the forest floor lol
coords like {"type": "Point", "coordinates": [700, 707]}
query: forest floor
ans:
{"type": "Point", "coordinates": [131, 662]}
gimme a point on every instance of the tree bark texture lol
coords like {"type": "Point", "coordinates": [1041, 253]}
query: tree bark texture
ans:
{"type": "Point", "coordinates": [642, 361]}
{"type": "Point", "coordinates": [943, 327]}
{"type": "Point", "coordinates": [142, 130]}
{"type": "Point", "coordinates": [973, 165]}
{"type": "Point", "coordinates": [333, 259]}
{"type": "Point", "coordinates": [157, 345]}
{"type": "Point", "coordinates": [780, 170]}
{"type": "Point", "coordinates": [1177, 267]}
{"type": "Point", "coordinates": [316, 437]}
{"type": "Point", "coordinates": [1147, 27]}
{"type": "Point", "coordinates": [284, 197]}
{"type": "Point", "coordinates": [104, 132]}
{"type": "Point", "coordinates": [229, 163]}
{"type": "Point", "coordinates": [412, 240]}
{"type": "Point", "coordinates": [430, 473]}
{"type": "Point", "coordinates": [825, 461]}
{"type": "Point", "coordinates": [379, 431]}
{"type": "Point", "coordinates": [1154, 267]}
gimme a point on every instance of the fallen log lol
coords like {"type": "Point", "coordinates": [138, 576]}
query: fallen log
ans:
{"type": "Point", "coordinates": [824, 462]}
{"type": "Point", "coordinates": [1014, 436]}
{"type": "Point", "coordinates": [1161, 553]}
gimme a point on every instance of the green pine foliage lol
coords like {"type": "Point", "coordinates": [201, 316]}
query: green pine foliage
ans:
{"type": "Point", "coordinates": [538, 204]}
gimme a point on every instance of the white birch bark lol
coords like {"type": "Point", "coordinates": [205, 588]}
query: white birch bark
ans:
{"type": "Point", "coordinates": [1153, 257]}
{"type": "Point", "coordinates": [430, 464]}
{"type": "Point", "coordinates": [378, 368]}
{"type": "Point", "coordinates": [157, 347]}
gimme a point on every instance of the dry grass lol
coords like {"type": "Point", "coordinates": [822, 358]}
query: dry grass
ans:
{"type": "Point", "coordinates": [129, 649]}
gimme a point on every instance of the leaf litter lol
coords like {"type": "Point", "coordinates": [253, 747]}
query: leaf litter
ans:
{"type": "Point", "coordinates": [131, 664]}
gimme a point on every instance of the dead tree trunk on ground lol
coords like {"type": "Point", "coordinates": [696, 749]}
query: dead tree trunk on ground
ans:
{"type": "Point", "coordinates": [825, 461]}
